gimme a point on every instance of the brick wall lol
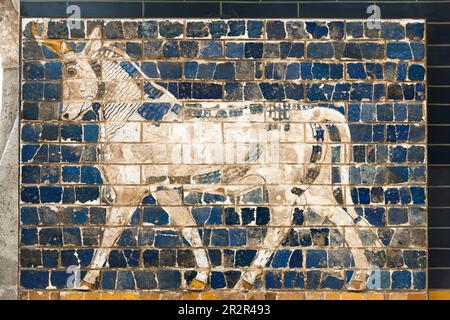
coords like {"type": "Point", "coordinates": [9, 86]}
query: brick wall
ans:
{"type": "Point", "coordinates": [148, 157]}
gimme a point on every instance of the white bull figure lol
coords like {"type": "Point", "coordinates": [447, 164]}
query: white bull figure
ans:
{"type": "Point", "coordinates": [302, 179]}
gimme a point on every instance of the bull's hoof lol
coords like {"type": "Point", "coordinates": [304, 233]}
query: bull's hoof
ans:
{"type": "Point", "coordinates": [243, 285]}
{"type": "Point", "coordinates": [358, 282]}
{"type": "Point", "coordinates": [197, 285]}
{"type": "Point", "coordinates": [356, 285]}
{"type": "Point", "coordinates": [85, 286]}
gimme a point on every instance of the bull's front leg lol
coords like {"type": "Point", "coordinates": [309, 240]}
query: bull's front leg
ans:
{"type": "Point", "coordinates": [181, 216]}
{"type": "Point", "coordinates": [278, 229]}
{"type": "Point", "coordinates": [116, 220]}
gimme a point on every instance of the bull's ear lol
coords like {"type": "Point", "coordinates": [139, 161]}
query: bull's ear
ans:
{"type": "Point", "coordinates": [95, 42]}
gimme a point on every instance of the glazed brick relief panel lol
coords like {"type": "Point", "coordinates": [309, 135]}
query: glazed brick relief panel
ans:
{"type": "Point", "coordinates": [223, 156]}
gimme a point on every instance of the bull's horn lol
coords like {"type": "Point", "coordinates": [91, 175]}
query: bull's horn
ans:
{"type": "Point", "coordinates": [60, 47]}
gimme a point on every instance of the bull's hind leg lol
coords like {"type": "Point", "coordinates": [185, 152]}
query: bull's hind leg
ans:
{"type": "Point", "coordinates": [281, 220]}
{"type": "Point", "coordinates": [181, 216]}
{"type": "Point", "coordinates": [116, 220]}
{"type": "Point", "coordinates": [351, 223]}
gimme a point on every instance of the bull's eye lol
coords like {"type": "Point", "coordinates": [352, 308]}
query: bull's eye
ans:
{"type": "Point", "coordinates": [71, 70]}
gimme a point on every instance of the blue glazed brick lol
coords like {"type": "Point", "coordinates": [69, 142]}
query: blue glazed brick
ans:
{"type": "Point", "coordinates": [34, 71]}
{"type": "Point", "coordinates": [51, 237]}
{"type": "Point", "coordinates": [320, 50]}
{"type": "Point", "coordinates": [313, 279]}
{"type": "Point", "coordinates": [71, 174]}
{"type": "Point", "coordinates": [29, 236]}
{"type": "Point", "coordinates": [196, 29]}
{"type": "Point", "coordinates": [50, 194]}
{"type": "Point", "coordinates": [145, 279]}
{"type": "Point", "coordinates": [219, 237]}
{"type": "Point", "coordinates": [151, 258]}
{"type": "Point", "coordinates": [401, 279]}
{"type": "Point", "coordinates": [253, 50]}
{"type": "Point", "coordinates": [50, 258]}
{"type": "Point", "coordinates": [415, 258]}
{"type": "Point", "coordinates": [211, 49]}
{"type": "Point", "coordinates": [30, 111]}
{"type": "Point", "coordinates": [155, 216]}
{"type": "Point", "coordinates": [356, 71]}
{"type": "Point", "coordinates": [90, 132]}
{"type": "Point", "coordinates": [294, 280]}
{"type": "Point", "coordinates": [272, 91]}
{"type": "Point", "coordinates": [29, 216]}
{"type": "Point", "coordinates": [234, 49]}
{"type": "Point", "coordinates": [392, 30]}
{"type": "Point", "coordinates": [86, 194]}
{"type": "Point", "coordinates": [125, 280]}
{"type": "Point", "coordinates": [34, 279]}
{"type": "Point", "coordinates": [218, 29]}
{"type": "Point", "coordinates": [398, 216]}
{"type": "Point", "coordinates": [316, 259]}
{"type": "Point", "coordinates": [169, 70]}
{"type": "Point", "coordinates": [109, 279]}
{"type": "Point", "coordinates": [254, 28]}
{"type": "Point", "coordinates": [53, 70]}
{"type": "Point", "coordinates": [415, 30]}
{"type": "Point", "coordinates": [206, 91]}
{"type": "Point", "coordinates": [147, 29]}
{"type": "Point", "coordinates": [354, 29]}
{"type": "Point", "coordinates": [236, 28]}
{"type": "Point", "coordinates": [419, 280]}
{"type": "Point", "coordinates": [50, 132]}
{"type": "Point", "coordinates": [238, 237]}
{"type": "Point", "coordinates": [169, 29]}
{"type": "Point", "coordinates": [317, 30]}
{"type": "Point", "coordinates": [375, 216]}
{"type": "Point", "coordinates": [168, 279]}
{"type": "Point", "coordinates": [281, 258]}
{"type": "Point", "coordinates": [244, 258]}
{"type": "Point", "coordinates": [275, 29]}
{"type": "Point", "coordinates": [273, 280]}
{"type": "Point", "coordinates": [167, 239]}
{"type": "Point", "coordinates": [90, 175]}
{"type": "Point", "coordinates": [72, 236]}
{"type": "Point", "coordinates": [291, 50]}
{"type": "Point", "coordinates": [331, 282]}
{"type": "Point", "coordinates": [371, 50]}
{"type": "Point", "coordinates": [416, 72]}
{"type": "Point", "coordinates": [218, 280]}
{"type": "Point", "coordinates": [72, 132]}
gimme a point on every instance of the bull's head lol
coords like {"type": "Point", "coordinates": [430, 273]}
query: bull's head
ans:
{"type": "Point", "coordinates": [81, 75]}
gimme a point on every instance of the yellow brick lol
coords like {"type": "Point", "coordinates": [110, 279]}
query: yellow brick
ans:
{"type": "Point", "coordinates": [38, 295]}
{"type": "Point", "coordinates": [352, 296]}
{"type": "Point", "coordinates": [23, 295]}
{"type": "Point", "coordinates": [93, 295]}
{"type": "Point", "coordinates": [270, 296]}
{"type": "Point", "coordinates": [398, 296]}
{"type": "Point", "coordinates": [291, 296]}
{"type": "Point", "coordinates": [150, 295]}
{"type": "Point", "coordinates": [120, 295]}
{"type": "Point", "coordinates": [375, 296]}
{"type": "Point", "coordinates": [332, 296]}
{"type": "Point", "coordinates": [417, 296]}
{"type": "Point", "coordinates": [254, 295]}
{"type": "Point", "coordinates": [233, 295]}
{"type": "Point", "coordinates": [191, 296]}
{"type": "Point", "coordinates": [439, 295]}
{"type": "Point", "coordinates": [208, 295]}
{"type": "Point", "coordinates": [172, 296]}
{"type": "Point", "coordinates": [314, 296]}
{"type": "Point", "coordinates": [71, 295]}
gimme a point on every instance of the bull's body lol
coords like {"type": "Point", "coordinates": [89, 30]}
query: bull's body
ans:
{"type": "Point", "coordinates": [148, 145]}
